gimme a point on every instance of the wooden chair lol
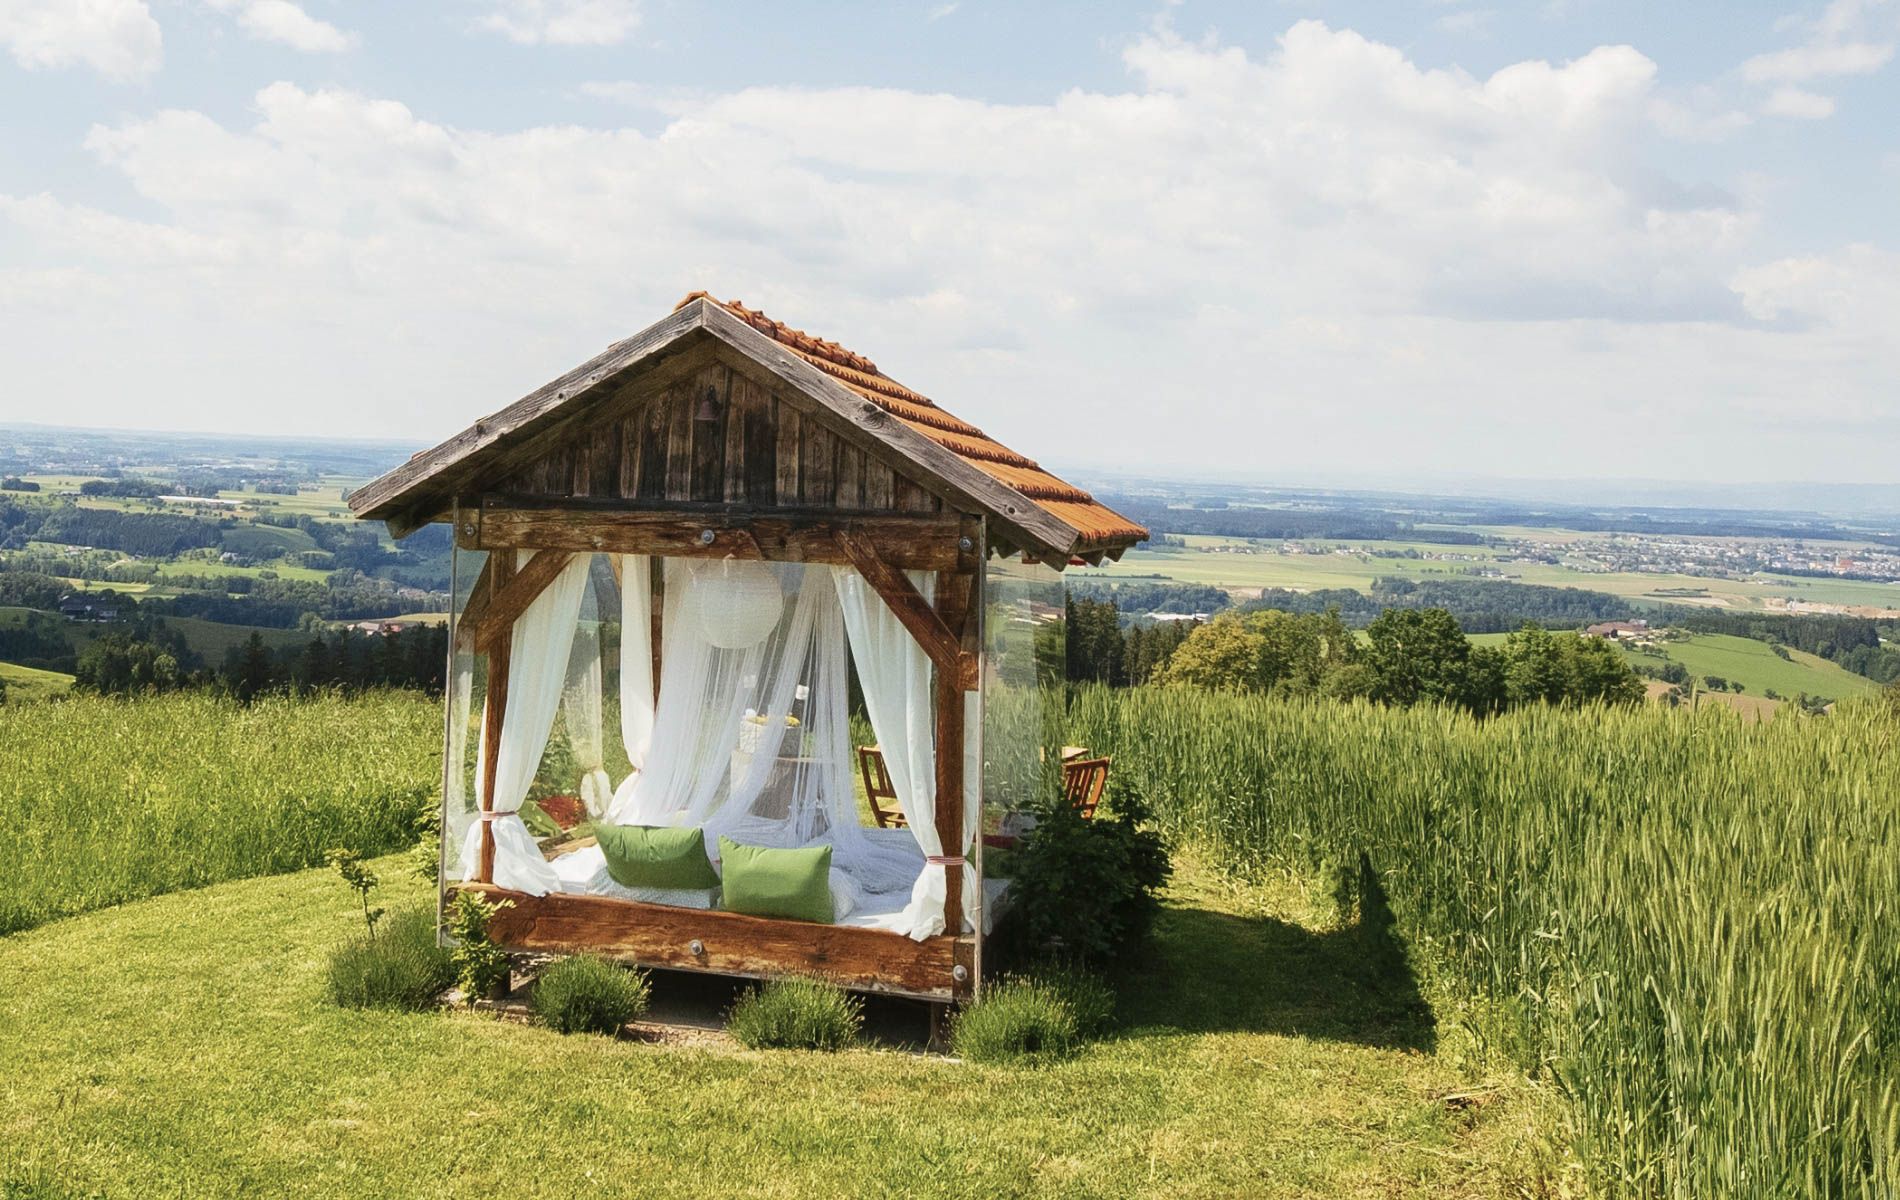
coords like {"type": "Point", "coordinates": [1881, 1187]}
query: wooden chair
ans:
{"type": "Point", "coordinates": [878, 789]}
{"type": "Point", "coordinates": [1083, 782]}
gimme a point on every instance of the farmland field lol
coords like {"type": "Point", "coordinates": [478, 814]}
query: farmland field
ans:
{"type": "Point", "coordinates": [111, 800]}
{"type": "Point", "coordinates": [1754, 665]}
{"type": "Point", "coordinates": [1684, 922]}
{"type": "Point", "coordinates": [198, 566]}
{"type": "Point", "coordinates": [1246, 565]}
{"type": "Point", "coordinates": [28, 683]}
{"type": "Point", "coordinates": [1610, 957]}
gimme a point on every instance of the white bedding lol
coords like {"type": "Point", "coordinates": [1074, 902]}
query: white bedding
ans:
{"type": "Point", "coordinates": [584, 873]}
{"type": "Point", "coordinates": [884, 910]}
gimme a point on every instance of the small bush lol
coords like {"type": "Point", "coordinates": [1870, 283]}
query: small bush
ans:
{"type": "Point", "coordinates": [586, 994]}
{"type": "Point", "coordinates": [481, 967]}
{"type": "Point", "coordinates": [1020, 1020]}
{"type": "Point", "coordinates": [400, 966]}
{"type": "Point", "coordinates": [1087, 994]}
{"type": "Point", "coordinates": [1087, 889]}
{"type": "Point", "coordinates": [796, 1014]}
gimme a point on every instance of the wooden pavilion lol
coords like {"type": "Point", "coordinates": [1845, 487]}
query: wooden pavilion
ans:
{"type": "Point", "coordinates": [720, 434]}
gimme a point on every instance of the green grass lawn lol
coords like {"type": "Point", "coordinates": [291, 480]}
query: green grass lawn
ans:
{"type": "Point", "coordinates": [181, 1046]}
{"type": "Point", "coordinates": [1755, 666]}
{"type": "Point", "coordinates": [28, 683]}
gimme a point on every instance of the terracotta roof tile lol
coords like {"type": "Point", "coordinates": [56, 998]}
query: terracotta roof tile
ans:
{"type": "Point", "coordinates": [1099, 525]}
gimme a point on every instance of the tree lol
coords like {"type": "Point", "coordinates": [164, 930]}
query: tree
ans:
{"type": "Point", "coordinates": [313, 665]}
{"type": "Point", "coordinates": [1094, 646]}
{"type": "Point", "coordinates": [247, 670]}
{"type": "Point", "coordinates": [1417, 655]}
{"type": "Point", "coordinates": [1595, 672]}
{"type": "Point", "coordinates": [1266, 651]}
{"type": "Point", "coordinates": [1715, 683]}
{"type": "Point", "coordinates": [121, 663]}
{"type": "Point", "coordinates": [1222, 656]}
{"type": "Point", "coordinates": [1535, 668]}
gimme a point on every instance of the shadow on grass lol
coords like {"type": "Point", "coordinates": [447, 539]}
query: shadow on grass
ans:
{"type": "Point", "coordinates": [1207, 971]}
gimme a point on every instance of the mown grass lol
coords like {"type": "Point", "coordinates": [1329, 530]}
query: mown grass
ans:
{"type": "Point", "coordinates": [1688, 924]}
{"type": "Point", "coordinates": [183, 1046]}
{"type": "Point", "coordinates": [113, 800]}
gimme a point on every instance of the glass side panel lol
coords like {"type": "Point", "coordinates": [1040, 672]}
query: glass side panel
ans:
{"type": "Point", "coordinates": [468, 678]}
{"type": "Point", "coordinates": [1023, 670]}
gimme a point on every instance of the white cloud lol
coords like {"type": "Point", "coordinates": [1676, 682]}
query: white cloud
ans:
{"type": "Point", "coordinates": [117, 38]}
{"type": "Point", "coordinates": [1817, 60]}
{"type": "Point", "coordinates": [1468, 21]}
{"type": "Point", "coordinates": [284, 22]}
{"type": "Point", "coordinates": [941, 11]}
{"type": "Point", "coordinates": [1797, 103]}
{"type": "Point", "coordinates": [1327, 254]}
{"type": "Point", "coordinates": [1846, 39]}
{"type": "Point", "coordinates": [563, 22]}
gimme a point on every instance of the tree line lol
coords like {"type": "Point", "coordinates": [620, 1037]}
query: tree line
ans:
{"type": "Point", "coordinates": [1407, 656]}
{"type": "Point", "coordinates": [151, 658]}
{"type": "Point", "coordinates": [1478, 605]}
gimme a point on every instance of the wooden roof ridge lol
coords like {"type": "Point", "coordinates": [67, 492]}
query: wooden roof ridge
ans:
{"type": "Point", "coordinates": [1038, 511]}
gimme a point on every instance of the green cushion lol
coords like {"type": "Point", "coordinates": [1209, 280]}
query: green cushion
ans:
{"type": "Point", "coordinates": [656, 856]}
{"type": "Point", "coordinates": [776, 883]}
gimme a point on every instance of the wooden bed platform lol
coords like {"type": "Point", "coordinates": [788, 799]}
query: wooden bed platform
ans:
{"type": "Point", "coordinates": [692, 939]}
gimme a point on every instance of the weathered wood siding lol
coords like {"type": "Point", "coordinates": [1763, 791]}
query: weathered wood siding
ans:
{"type": "Point", "coordinates": [762, 451]}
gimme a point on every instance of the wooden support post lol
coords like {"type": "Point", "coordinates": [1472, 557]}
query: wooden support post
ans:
{"type": "Point", "coordinates": [657, 602]}
{"type": "Point", "coordinates": [500, 571]}
{"type": "Point", "coordinates": [953, 607]}
{"type": "Point", "coordinates": [937, 1020]}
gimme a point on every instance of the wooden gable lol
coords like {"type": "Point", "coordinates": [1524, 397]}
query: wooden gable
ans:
{"type": "Point", "coordinates": [781, 433]}
{"type": "Point", "coordinates": [717, 435]}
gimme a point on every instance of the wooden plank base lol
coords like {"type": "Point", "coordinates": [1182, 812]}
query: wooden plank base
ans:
{"type": "Point", "coordinates": [660, 935]}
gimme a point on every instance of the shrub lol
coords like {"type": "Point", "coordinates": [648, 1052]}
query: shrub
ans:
{"type": "Point", "coordinates": [480, 965]}
{"type": "Point", "coordinates": [400, 966]}
{"type": "Point", "coordinates": [1021, 1020]}
{"type": "Point", "coordinates": [587, 994]}
{"type": "Point", "coordinates": [1088, 887]}
{"type": "Point", "coordinates": [796, 1014]}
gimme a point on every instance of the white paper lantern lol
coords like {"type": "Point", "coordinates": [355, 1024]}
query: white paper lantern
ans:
{"type": "Point", "coordinates": [738, 602]}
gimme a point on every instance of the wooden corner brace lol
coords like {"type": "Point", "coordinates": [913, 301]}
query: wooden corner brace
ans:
{"type": "Point", "coordinates": [944, 648]}
{"type": "Point", "coordinates": [498, 616]}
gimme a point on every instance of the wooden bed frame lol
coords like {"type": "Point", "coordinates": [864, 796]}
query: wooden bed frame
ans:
{"type": "Point", "coordinates": [941, 969]}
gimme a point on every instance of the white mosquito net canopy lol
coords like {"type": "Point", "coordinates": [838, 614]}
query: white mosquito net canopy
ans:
{"type": "Point", "coordinates": [747, 733]}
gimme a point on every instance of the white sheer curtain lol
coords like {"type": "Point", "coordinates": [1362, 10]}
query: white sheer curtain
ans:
{"type": "Point", "coordinates": [537, 668]}
{"type": "Point", "coordinates": [636, 665]}
{"type": "Point", "coordinates": [736, 749]}
{"type": "Point", "coordinates": [896, 677]}
{"type": "Point", "coordinates": [581, 703]}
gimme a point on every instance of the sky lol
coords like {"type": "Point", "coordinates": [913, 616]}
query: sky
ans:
{"type": "Point", "coordinates": [1272, 241]}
